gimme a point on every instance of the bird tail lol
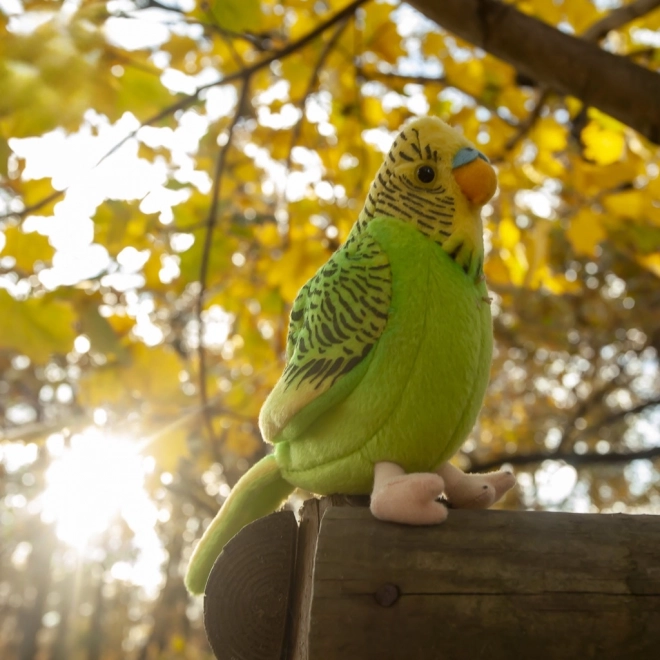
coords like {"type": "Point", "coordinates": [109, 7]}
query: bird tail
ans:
{"type": "Point", "coordinates": [257, 493]}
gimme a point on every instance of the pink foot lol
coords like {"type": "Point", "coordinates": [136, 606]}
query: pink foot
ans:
{"type": "Point", "coordinates": [409, 499]}
{"type": "Point", "coordinates": [479, 491]}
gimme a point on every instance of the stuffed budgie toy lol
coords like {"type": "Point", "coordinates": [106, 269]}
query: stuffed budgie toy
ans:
{"type": "Point", "coordinates": [388, 355]}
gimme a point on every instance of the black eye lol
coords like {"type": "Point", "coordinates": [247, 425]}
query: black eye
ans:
{"type": "Point", "coordinates": [425, 174]}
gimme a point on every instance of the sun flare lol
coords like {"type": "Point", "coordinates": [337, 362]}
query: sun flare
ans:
{"type": "Point", "coordinates": [92, 481]}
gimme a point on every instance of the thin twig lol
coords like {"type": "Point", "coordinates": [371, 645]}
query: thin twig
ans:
{"type": "Point", "coordinates": [262, 42]}
{"type": "Point", "coordinates": [226, 38]}
{"type": "Point", "coordinates": [582, 410]}
{"type": "Point", "coordinates": [617, 416]}
{"type": "Point", "coordinates": [190, 99]}
{"type": "Point", "coordinates": [237, 218]}
{"type": "Point", "coordinates": [297, 129]}
{"type": "Point", "coordinates": [210, 507]}
{"type": "Point", "coordinates": [429, 80]}
{"type": "Point", "coordinates": [206, 254]}
{"type": "Point", "coordinates": [577, 460]}
{"type": "Point", "coordinates": [528, 123]}
{"type": "Point", "coordinates": [618, 18]}
{"type": "Point", "coordinates": [580, 459]}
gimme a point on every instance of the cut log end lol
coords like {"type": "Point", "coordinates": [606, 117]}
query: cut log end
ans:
{"type": "Point", "coordinates": [246, 599]}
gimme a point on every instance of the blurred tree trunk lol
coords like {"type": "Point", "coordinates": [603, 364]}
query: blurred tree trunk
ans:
{"type": "Point", "coordinates": [67, 590]}
{"type": "Point", "coordinates": [96, 624]}
{"type": "Point", "coordinates": [173, 597]}
{"type": "Point", "coordinates": [38, 570]}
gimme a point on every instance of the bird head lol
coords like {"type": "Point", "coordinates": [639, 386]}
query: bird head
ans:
{"type": "Point", "coordinates": [434, 178]}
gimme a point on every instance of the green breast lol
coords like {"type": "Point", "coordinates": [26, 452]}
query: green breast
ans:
{"type": "Point", "coordinates": [423, 385]}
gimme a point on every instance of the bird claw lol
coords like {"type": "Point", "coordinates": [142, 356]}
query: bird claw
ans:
{"type": "Point", "coordinates": [410, 499]}
{"type": "Point", "coordinates": [480, 491]}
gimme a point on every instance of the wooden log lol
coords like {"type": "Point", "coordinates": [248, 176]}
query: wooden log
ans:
{"type": "Point", "coordinates": [494, 584]}
{"type": "Point", "coordinates": [246, 599]}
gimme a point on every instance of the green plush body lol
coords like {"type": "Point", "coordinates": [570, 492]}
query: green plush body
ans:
{"type": "Point", "coordinates": [389, 344]}
{"type": "Point", "coordinates": [416, 396]}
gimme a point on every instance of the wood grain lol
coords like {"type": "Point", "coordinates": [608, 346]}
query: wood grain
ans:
{"type": "Point", "coordinates": [493, 584]}
{"type": "Point", "coordinates": [247, 595]}
{"type": "Point", "coordinates": [301, 601]}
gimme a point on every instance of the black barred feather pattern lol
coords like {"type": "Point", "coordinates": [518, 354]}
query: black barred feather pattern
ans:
{"type": "Point", "coordinates": [430, 208]}
{"type": "Point", "coordinates": [338, 315]}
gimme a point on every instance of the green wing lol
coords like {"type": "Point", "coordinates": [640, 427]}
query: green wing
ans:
{"type": "Point", "coordinates": [335, 321]}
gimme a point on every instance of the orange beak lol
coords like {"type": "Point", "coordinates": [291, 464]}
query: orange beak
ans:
{"type": "Point", "coordinates": [474, 175]}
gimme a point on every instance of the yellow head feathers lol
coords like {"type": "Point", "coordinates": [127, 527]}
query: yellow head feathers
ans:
{"type": "Point", "coordinates": [436, 179]}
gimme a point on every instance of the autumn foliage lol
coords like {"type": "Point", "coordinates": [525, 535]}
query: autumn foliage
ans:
{"type": "Point", "coordinates": [170, 175]}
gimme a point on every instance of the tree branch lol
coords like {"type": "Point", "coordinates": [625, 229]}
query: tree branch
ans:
{"type": "Point", "coordinates": [618, 18]}
{"type": "Point", "coordinates": [576, 460]}
{"type": "Point", "coordinates": [570, 65]}
{"type": "Point", "coordinates": [206, 254]}
{"type": "Point", "coordinates": [594, 33]}
{"type": "Point", "coordinates": [582, 409]}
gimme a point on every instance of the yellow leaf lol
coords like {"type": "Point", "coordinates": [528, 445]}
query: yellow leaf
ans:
{"type": "Point", "coordinates": [118, 224]}
{"type": "Point", "coordinates": [268, 235]}
{"type": "Point", "coordinates": [141, 92]}
{"type": "Point", "coordinates": [591, 179]}
{"type": "Point", "coordinates": [585, 232]}
{"type": "Point", "coordinates": [241, 442]}
{"type": "Point", "coordinates": [102, 386]}
{"type": "Point", "coordinates": [26, 249]}
{"type": "Point", "coordinates": [300, 261]}
{"type": "Point", "coordinates": [297, 73]}
{"type": "Point", "coordinates": [580, 13]}
{"type": "Point", "coordinates": [39, 193]}
{"type": "Point", "coordinates": [387, 43]}
{"type": "Point", "coordinates": [651, 262]}
{"type": "Point", "coordinates": [304, 23]}
{"type": "Point", "coordinates": [169, 446]}
{"type": "Point", "coordinates": [434, 45]}
{"type": "Point", "coordinates": [496, 270]}
{"type": "Point", "coordinates": [516, 262]}
{"type": "Point", "coordinates": [179, 47]}
{"type": "Point", "coordinates": [36, 327]}
{"type": "Point", "coordinates": [469, 76]}
{"type": "Point", "coordinates": [237, 15]}
{"type": "Point", "coordinates": [602, 145]}
{"type": "Point", "coordinates": [557, 284]}
{"type": "Point", "coordinates": [178, 643]}
{"type": "Point", "coordinates": [654, 187]}
{"type": "Point", "coordinates": [372, 111]}
{"type": "Point", "coordinates": [627, 204]}
{"type": "Point", "coordinates": [549, 134]}
{"type": "Point", "coordinates": [152, 269]}
{"type": "Point", "coordinates": [155, 372]}
{"type": "Point", "coordinates": [121, 323]}
{"type": "Point", "coordinates": [509, 233]}
{"type": "Point", "coordinates": [5, 152]}
{"type": "Point", "coordinates": [102, 335]}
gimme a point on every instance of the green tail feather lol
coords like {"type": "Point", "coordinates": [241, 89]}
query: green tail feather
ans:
{"type": "Point", "coordinates": [258, 492]}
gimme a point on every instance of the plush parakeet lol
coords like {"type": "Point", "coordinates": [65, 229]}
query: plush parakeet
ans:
{"type": "Point", "coordinates": [388, 354]}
